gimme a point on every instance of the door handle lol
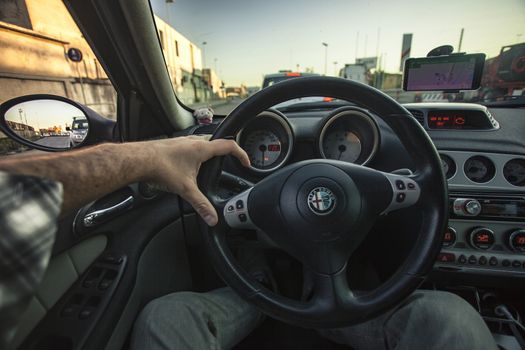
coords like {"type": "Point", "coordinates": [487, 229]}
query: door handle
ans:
{"type": "Point", "coordinates": [99, 216]}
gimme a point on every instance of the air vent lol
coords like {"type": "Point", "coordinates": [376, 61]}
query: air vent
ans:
{"type": "Point", "coordinates": [420, 117]}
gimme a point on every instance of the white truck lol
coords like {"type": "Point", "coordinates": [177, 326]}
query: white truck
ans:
{"type": "Point", "coordinates": [356, 72]}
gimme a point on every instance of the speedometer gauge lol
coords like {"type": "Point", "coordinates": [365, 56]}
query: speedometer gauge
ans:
{"type": "Point", "coordinates": [342, 145]}
{"type": "Point", "coordinates": [263, 148]}
{"type": "Point", "coordinates": [349, 134]}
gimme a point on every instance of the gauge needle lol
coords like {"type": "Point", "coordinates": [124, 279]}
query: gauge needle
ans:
{"type": "Point", "coordinates": [262, 148]}
{"type": "Point", "coordinates": [341, 149]}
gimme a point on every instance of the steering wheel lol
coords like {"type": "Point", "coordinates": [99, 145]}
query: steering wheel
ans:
{"type": "Point", "coordinates": [319, 211]}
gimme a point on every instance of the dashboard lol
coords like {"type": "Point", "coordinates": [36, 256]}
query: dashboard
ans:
{"type": "Point", "coordinates": [483, 157]}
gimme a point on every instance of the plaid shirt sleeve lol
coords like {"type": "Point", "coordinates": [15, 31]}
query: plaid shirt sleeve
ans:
{"type": "Point", "coordinates": [29, 207]}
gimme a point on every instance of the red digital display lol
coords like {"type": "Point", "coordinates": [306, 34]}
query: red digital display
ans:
{"type": "Point", "coordinates": [521, 240]}
{"type": "Point", "coordinates": [482, 238]}
{"type": "Point", "coordinates": [446, 121]}
{"type": "Point", "coordinates": [274, 148]}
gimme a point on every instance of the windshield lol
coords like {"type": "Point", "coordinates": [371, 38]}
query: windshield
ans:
{"type": "Point", "coordinates": [220, 52]}
{"type": "Point", "coordinates": [80, 125]}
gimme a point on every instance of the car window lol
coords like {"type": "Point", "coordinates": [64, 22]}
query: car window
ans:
{"type": "Point", "coordinates": [44, 52]}
{"type": "Point", "coordinates": [236, 47]}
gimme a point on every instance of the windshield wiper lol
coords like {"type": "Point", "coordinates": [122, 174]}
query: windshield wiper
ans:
{"type": "Point", "coordinates": [508, 101]}
{"type": "Point", "coordinates": [297, 107]}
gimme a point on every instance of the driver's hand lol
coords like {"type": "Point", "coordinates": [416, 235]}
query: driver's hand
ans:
{"type": "Point", "coordinates": [177, 162]}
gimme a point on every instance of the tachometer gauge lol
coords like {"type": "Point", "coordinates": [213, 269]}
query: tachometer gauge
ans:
{"type": "Point", "coordinates": [263, 148]}
{"type": "Point", "coordinates": [342, 145]}
{"type": "Point", "coordinates": [267, 140]}
{"type": "Point", "coordinates": [514, 172]}
{"type": "Point", "coordinates": [479, 169]}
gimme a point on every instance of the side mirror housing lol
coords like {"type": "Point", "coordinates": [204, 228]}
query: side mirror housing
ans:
{"type": "Point", "coordinates": [52, 123]}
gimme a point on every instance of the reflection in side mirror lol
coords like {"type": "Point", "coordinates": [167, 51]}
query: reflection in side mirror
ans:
{"type": "Point", "coordinates": [48, 123]}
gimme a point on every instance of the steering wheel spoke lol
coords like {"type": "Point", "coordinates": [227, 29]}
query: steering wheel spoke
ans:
{"type": "Point", "coordinates": [332, 292]}
{"type": "Point", "coordinates": [405, 192]}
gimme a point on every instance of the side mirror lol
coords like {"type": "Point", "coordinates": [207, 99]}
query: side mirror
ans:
{"type": "Point", "coordinates": [50, 123]}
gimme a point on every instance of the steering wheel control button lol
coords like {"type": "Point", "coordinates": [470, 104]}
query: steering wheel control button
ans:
{"type": "Point", "coordinates": [230, 209]}
{"type": "Point", "coordinates": [481, 238]}
{"type": "Point", "coordinates": [493, 261]}
{"type": "Point", "coordinates": [243, 218]}
{"type": "Point", "coordinates": [517, 241]}
{"type": "Point", "coordinates": [462, 259]}
{"type": "Point", "coordinates": [449, 237]}
{"type": "Point", "coordinates": [446, 257]}
{"type": "Point", "coordinates": [239, 204]}
{"type": "Point", "coordinates": [400, 185]}
{"type": "Point", "coordinates": [400, 197]}
{"type": "Point", "coordinates": [411, 186]}
{"type": "Point", "coordinates": [466, 207]}
{"type": "Point", "coordinates": [321, 200]}
{"type": "Point", "coordinates": [472, 260]}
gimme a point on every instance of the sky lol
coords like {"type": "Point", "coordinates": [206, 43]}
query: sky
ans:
{"type": "Point", "coordinates": [251, 38]}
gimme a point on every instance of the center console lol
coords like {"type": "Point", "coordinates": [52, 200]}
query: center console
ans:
{"type": "Point", "coordinates": [485, 234]}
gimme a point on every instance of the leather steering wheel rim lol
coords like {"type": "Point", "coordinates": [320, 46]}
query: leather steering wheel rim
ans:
{"type": "Point", "coordinates": [330, 308]}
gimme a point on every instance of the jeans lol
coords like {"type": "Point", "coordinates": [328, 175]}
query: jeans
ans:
{"type": "Point", "coordinates": [220, 319]}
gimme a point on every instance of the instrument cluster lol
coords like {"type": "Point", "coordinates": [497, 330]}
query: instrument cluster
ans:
{"type": "Point", "coordinates": [349, 134]}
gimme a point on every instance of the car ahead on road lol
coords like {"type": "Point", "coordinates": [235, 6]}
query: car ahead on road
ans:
{"type": "Point", "coordinates": [355, 201]}
{"type": "Point", "coordinates": [78, 131]}
{"type": "Point", "coordinates": [271, 79]}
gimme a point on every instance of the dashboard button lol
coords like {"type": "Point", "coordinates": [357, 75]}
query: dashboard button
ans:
{"type": "Point", "coordinates": [400, 185]}
{"type": "Point", "coordinates": [482, 260]}
{"type": "Point", "coordinates": [462, 259]}
{"type": "Point", "coordinates": [472, 260]}
{"type": "Point", "coordinates": [84, 314]}
{"type": "Point", "coordinates": [482, 238]}
{"type": "Point", "coordinates": [517, 241]}
{"type": "Point", "coordinates": [493, 261]}
{"type": "Point", "coordinates": [505, 263]}
{"type": "Point", "coordinates": [516, 263]}
{"type": "Point", "coordinates": [472, 207]}
{"type": "Point", "coordinates": [446, 257]}
{"type": "Point", "coordinates": [449, 237]}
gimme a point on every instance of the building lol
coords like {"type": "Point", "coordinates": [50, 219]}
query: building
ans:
{"type": "Point", "coordinates": [192, 82]}
{"type": "Point", "coordinates": [35, 36]}
{"type": "Point", "coordinates": [215, 83]}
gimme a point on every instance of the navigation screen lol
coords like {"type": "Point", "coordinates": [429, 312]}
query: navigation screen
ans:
{"type": "Point", "coordinates": [443, 73]}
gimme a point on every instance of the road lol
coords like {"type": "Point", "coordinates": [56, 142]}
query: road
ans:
{"type": "Point", "coordinates": [224, 109]}
{"type": "Point", "coordinates": [54, 141]}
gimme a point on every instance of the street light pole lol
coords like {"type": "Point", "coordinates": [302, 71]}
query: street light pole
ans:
{"type": "Point", "coordinates": [335, 68]}
{"type": "Point", "coordinates": [325, 56]}
{"type": "Point", "coordinates": [204, 54]}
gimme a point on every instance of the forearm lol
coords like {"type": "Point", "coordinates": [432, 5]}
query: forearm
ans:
{"type": "Point", "coordinates": [86, 174]}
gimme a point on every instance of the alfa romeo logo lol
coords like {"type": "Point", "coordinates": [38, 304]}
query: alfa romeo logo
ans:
{"type": "Point", "coordinates": [321, 201]}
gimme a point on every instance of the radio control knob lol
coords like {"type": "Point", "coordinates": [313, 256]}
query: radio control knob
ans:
{"type": "Point", "coordinates": [481, 238]}
{"type": "Point", "coordinates": [472, 207]}
{"type": "Point", "coordinates": [517, 240]}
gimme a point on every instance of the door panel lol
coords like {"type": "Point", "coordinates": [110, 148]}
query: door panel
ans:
{"type": "Point", "coordinates": [63, 270]}
{"type": "Point", "coordinates": [86, 299]}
